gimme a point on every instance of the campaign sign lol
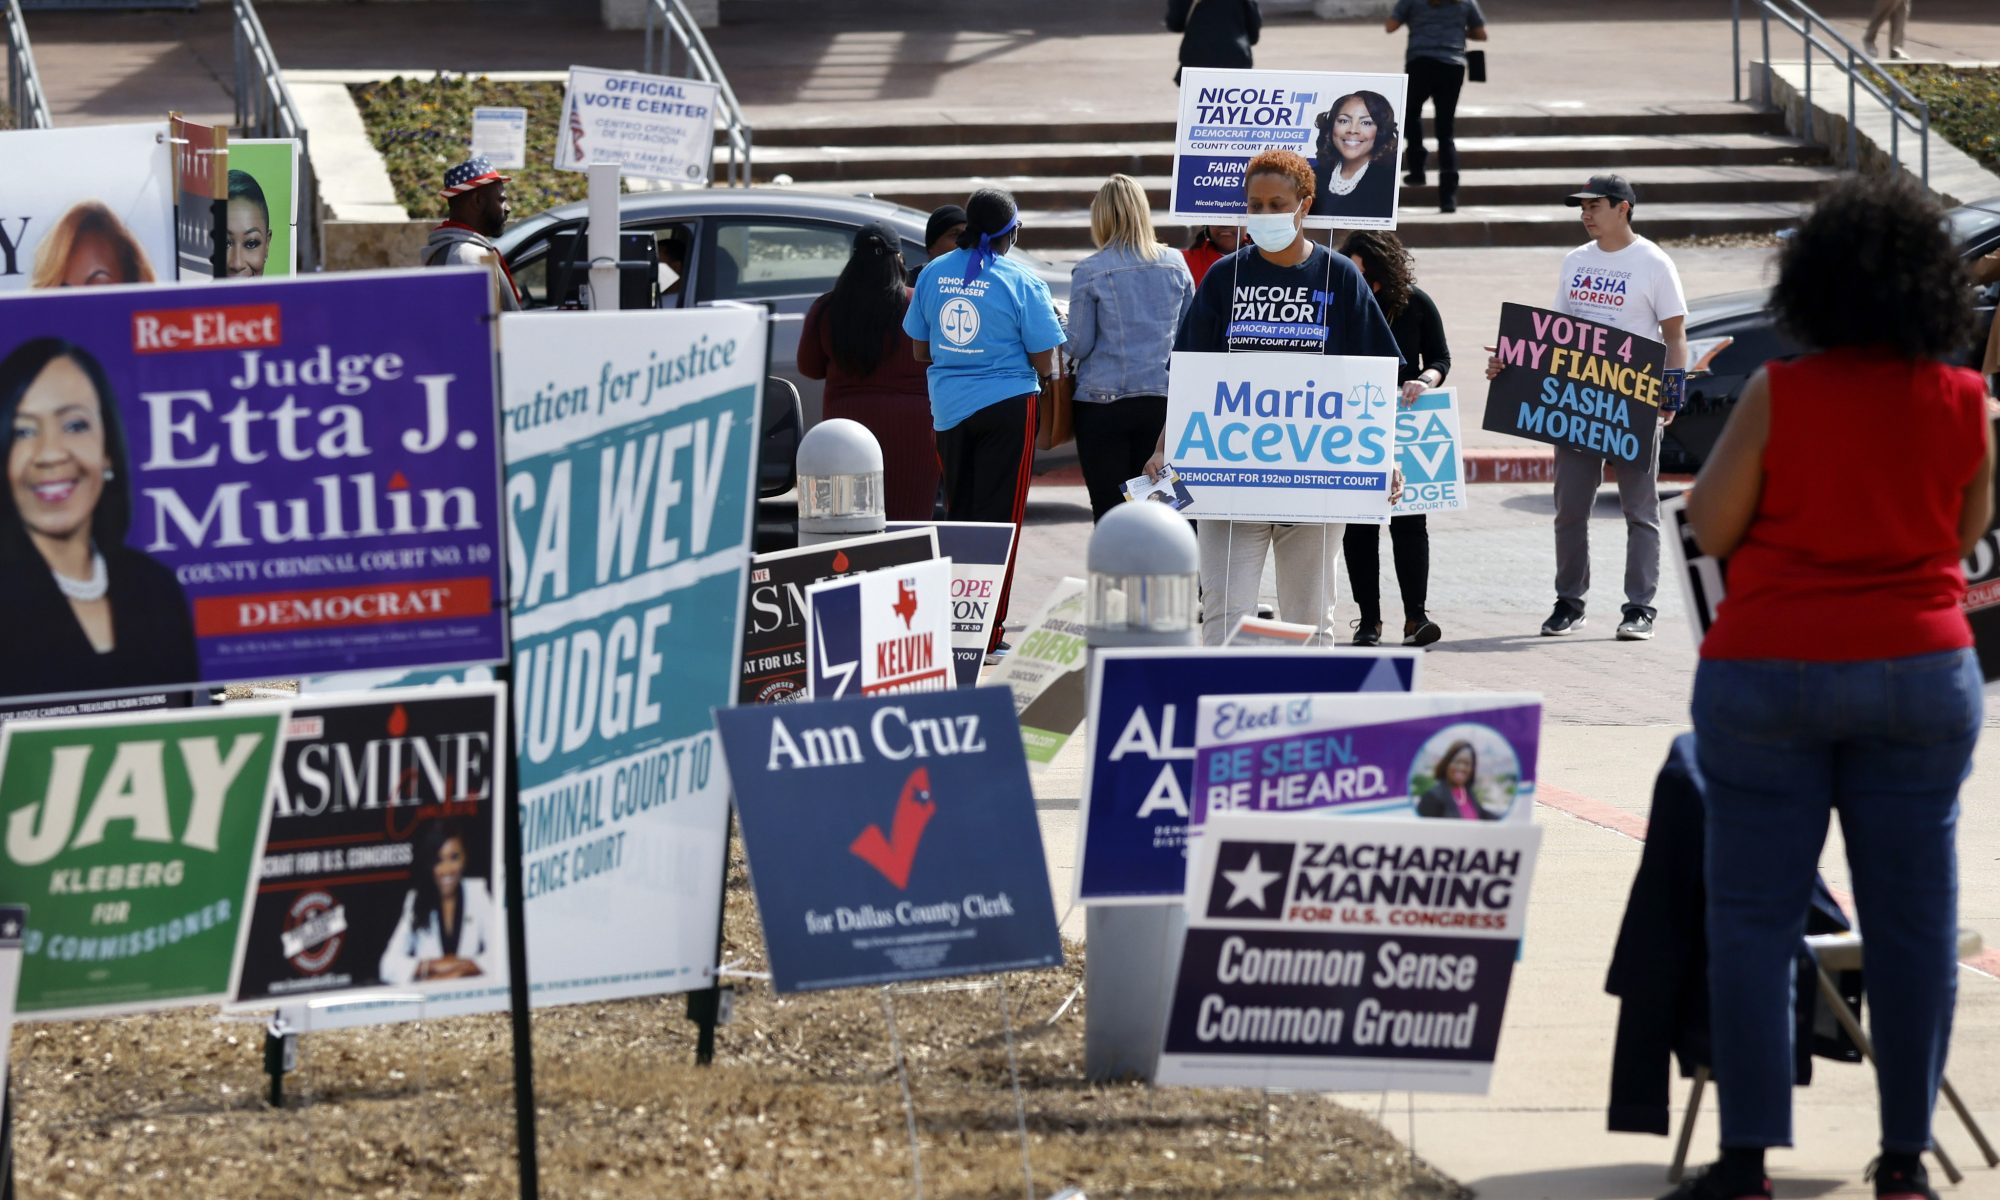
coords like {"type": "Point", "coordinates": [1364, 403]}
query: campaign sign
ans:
{"type": "Point", "coordinates": [652, 126]}
{"type": "Point", "coordinates": [1348, 955]}
{"type": "Point", "coordinates": [774, 625]}
{"type": "Point", "coordinates": [279, 479]}
{"type": "Point", "coordinates": [201, 181]}
{"type": "Point", "coordinates": [261, 234]}
{"type": "Point", "coordinates": [1469, 757]}
{"type": "Point", "coordinates": [1046, 673]}
{"type": "Point", "coordinates": [1431, 450]}
{"type": "Point", "coordinates": [383, 863]}
{"type": "Point", "coordinates": [891, 838]}
{"type": "Point", "coordinates": [86, 206]}
{"type": "Point", "coordinates": [1701, 575]}
{"type": "Point", "coordinates": [1347, 125]}
{"type": "Point", "coordinates": [1300, 438]}
{"type": "Point", "coordinates": [979, 552]}
{"type": "Point", "coordinates": [880, 632]}
{"type": "Point", "coordinates": [1982, 594]}
{"type": "Point", "coordinates": [131, 839]}
{"type": "Point", "coordinates": [1138, 768]}
{"type": "Point", "coordinates": [1576, 384]}
{"type": "Point", "coordinates": [13, 928]}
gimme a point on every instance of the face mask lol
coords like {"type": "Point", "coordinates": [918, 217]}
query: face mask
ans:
{"type": "Point", "coordinates": [1273, 232]}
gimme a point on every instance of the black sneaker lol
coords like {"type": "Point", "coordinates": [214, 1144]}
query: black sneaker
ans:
{"type": "Point", "coordinates": [1636, 627]}
{"type": "Point", "coordinates": [1421, 633]}
{"type": "Point", "coordinates": [1565, 619]}
{"type": "Point", "coordinates": [1707, 1185]}
{"type": "Point", "coordinates": [1905, 1181]}
{"type": "Point", "coordinates": [1366, 633]}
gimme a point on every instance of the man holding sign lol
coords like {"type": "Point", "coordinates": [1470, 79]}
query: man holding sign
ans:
{"type": "Point", "coordinates": [1622, 280]}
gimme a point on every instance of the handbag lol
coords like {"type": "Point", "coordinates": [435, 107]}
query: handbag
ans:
{"type": "Point", "coordinates": [1475, 66]}
{"type": "Point", "coordinates": [1055, 410]}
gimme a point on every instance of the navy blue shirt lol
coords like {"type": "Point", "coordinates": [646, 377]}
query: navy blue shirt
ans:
{"type": "Point", "coordinates": [1321, 306]}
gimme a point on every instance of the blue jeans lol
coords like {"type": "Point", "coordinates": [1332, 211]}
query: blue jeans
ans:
{"type": "Point", "coordinates": [1886, 743]}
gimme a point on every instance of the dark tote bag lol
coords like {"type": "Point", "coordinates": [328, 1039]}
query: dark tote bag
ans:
{"type": "Point", "coordinates": [1475, 66]}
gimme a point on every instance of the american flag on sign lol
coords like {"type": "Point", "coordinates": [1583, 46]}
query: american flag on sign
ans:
{"type": "Point", "coordinates": [575, 130]}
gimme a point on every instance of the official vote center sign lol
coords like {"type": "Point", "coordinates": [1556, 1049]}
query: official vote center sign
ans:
{"type": "Point", "coordinates": [1283, 437]}
{"type": "Point", "coordinates": [1139, 760]}
{"type": "Point", "coordinates": [891, 839]}
{"type": "Point", "coordinates": [1576, 384]}
{"type": "Point", "coordinates": [131, 840]}
{"type": "Point", "coordinates": [1350, 955]}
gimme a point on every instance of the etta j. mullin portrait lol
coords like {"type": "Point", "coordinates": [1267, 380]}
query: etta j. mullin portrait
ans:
{"type": "Point", "coordinates": [82, 611]}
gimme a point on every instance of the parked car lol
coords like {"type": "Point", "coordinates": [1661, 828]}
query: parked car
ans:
{"type": "Point", "coordinates": [779, 247]}
{"type": "Point", "coordinates": [1730, 336]}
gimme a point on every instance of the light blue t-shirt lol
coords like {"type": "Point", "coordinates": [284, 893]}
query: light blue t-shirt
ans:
{"type": "Point", "coordinates": [980, 333]}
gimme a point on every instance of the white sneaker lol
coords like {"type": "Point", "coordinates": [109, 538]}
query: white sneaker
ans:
{"type": "Point", "coordinates": [1871, 48]}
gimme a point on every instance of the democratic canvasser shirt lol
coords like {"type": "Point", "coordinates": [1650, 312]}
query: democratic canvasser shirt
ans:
{"type": "Point", "coordinates": [1634, 289]}
{"type": "Point", "coordinates": [1321, 306]}
{"type": "Point", "coordinates": [980, 333]}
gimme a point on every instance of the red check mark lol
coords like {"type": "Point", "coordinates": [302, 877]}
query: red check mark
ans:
{"type": "Point", "coordinates": [894, 855]}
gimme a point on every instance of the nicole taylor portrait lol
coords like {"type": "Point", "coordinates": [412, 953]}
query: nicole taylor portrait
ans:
{"type": "Point", "coordinates": [82, 611]}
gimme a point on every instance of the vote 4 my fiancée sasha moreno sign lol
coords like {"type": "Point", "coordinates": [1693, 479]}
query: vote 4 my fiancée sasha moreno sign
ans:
{"type": "Point", "coordinates": [383, 863]}
{"type": "Point", "coordinates": [1454, 757]}
{"type": "Point", "coordinates": [891, 838]}
{"type": "Point", "coordinates": [275, 479]}
{"type": "Point", "coordinates": [1138, 781]}
{"type": "Point", "coordinates": [1283, 437]}
{"type": "Point", "coordinates": [131, 841]}
{"type": "Point", "coordinates": [1361, 954]}
{"type": "Point", "coordinates": [1576, 384]}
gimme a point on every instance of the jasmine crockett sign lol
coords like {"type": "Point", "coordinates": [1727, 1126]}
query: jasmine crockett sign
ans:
{"type": "Point", "coordinates": [131, 841]}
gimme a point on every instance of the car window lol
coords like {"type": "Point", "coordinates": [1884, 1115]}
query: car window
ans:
{"type": "Point", "coordinates": [765, 260]}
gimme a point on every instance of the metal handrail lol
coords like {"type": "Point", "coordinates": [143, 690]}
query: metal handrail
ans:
{"type": "Point", "coordinates": [675, 24]}
{"type": "Point", "coordinates": [1860, 68]}
{"type": "Point", "coordinates": [265, 108]}
{"type": "Point", "coordinates": [24, 83]}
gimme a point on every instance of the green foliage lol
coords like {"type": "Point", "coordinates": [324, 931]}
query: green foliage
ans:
{"type": "Point", "coordinates": [1964, 103]}
{"type": "Point", "coordinates": [423, 127]}
{"type": "Point", "coordinates": [6, 116]}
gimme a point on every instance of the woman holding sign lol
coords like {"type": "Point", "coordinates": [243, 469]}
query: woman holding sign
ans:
{"type": "Point", "coordinates": [1279, 267]}
{"type": "Point", "coordinates": [1839, 674]}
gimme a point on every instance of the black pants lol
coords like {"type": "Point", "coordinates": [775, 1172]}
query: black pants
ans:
{"type": "Point", "coordinates": [1113, 442]}
{"type": "Point", "coordinates": [1411, 541]}
{"type": "Point", "coordinates": [1440, 83]}
{"type": "Point", "coordinates": [989, 460]}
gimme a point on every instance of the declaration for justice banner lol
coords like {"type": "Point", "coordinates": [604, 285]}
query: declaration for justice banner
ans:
{"type": "Point", "coordinates": [1353, 955]}
{"type": "Point", "coordinates": [260, 480]}
{"type": "Point", "coordinates": [1349, 126]}
{"type": "Point", "coordinates": [1576, 384]}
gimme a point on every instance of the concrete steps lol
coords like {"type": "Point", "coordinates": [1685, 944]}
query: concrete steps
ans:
{"type": "Point", "coordinates": [1699, 169]}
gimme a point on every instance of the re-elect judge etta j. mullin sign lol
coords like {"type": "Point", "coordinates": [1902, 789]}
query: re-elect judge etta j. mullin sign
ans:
{"type": "Point", "coordinates": [272, 479]}
{"type": "Point", "coordinates": [1576, 384]}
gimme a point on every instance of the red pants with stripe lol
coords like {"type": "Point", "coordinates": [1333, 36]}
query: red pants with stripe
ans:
{"type": "Point", "coordinates": [989, 461]}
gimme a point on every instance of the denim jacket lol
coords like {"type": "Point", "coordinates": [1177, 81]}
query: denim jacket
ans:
{"type": "Point", "coordinates": [1123, 313]}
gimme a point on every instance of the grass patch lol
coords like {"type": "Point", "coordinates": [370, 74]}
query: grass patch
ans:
{"type": "Point", "coordinates": [1965, 106]}
{"type": "Point", "coordinates": [423, 127]}
{"type": "Point", "coordinates": [802, 1101]}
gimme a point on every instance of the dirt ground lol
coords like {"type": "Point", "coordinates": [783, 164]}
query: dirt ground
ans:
{"type": "Point", "coordinates": [803, 1101]}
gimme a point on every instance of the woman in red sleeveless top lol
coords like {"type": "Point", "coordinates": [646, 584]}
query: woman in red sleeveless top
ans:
{"type": "Point", "coordinates": [1838, 676]}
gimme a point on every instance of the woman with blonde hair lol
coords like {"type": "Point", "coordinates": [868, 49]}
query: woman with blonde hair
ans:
{"type": "Point", "coordinates": [89, 247]}
{"type": "Point", "coordinates": [1125, 302]}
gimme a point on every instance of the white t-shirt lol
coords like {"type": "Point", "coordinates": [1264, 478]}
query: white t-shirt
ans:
{"type": "Point", "coordinates": [1634, 289]}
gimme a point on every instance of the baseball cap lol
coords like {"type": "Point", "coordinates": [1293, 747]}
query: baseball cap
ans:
{"type": "Point", "coordinates": [474, 172]}
{"type": "Point", "coordinates": [1603, 187]}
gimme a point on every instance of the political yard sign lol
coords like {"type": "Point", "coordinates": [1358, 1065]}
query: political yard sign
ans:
{"type": "Point", "coordinates": [131, 841]}
{"type": "Point", "coordinates": [979, 552]}
{"type": "Point", "coordinates": [652, 126]}
{"type": "Point", "coordinates": [773, 667]}
{"type": "Point", "coordinates": [297, 477]}
{"type": "Point", "coordinates": [1046, 673]}
{"type": "Point", "coordinates": [383, 865]}
{"type": "Point", "coordinates": [1431, 451]}
{"type": "Point", "coordinates": [1344, 123]}
{"type": "Point", "coordinates": [1577, 384]}
{"type": "Point", "coordinates": [891, 838]}
{"type": "Point", "coordinates": [1304, 438]}
{"type": "Point", "coordinates": [1139, 761]}
{"type": "Point", "coordinates": [1456, 757]}
{"type": "Point", "coordinates": [1982, 594]}
{"type": "Point", "coordinates": [880, 632]}
{"type": "Point", "coordinates": [1348, 955]}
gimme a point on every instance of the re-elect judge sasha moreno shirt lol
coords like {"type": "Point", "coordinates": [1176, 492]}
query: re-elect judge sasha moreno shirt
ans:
{"type": "Point", "coordinates": [1321, 306]}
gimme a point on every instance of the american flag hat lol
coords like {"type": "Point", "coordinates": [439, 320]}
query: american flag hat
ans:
{"type": "Point", "coordinates": [474, 172]}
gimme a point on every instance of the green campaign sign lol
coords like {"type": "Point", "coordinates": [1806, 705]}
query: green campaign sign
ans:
{"type": "Point", "coordinates": [131, 839]}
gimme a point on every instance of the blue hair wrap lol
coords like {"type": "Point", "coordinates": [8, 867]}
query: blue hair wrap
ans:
{"type": "Point", "coordinates": [983, 256]}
